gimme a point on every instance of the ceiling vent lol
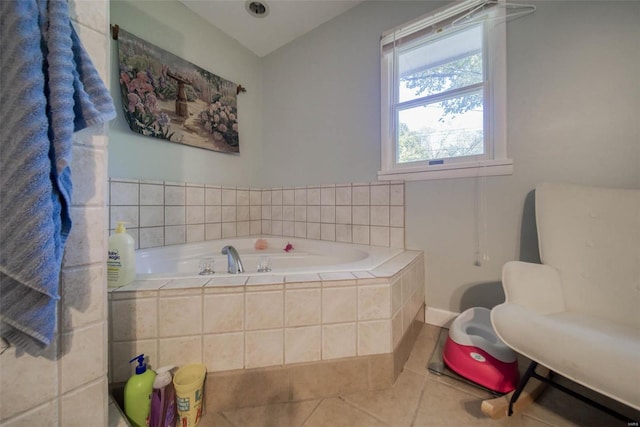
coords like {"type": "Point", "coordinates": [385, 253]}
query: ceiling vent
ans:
{"type": "Point", "coordinates": [257, 8]}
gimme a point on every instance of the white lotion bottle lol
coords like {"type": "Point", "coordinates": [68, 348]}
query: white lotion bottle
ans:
{"type": "Point", "coordinates": [121, 264]}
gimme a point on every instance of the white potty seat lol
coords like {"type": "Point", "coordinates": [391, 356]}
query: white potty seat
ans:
{"type": "Point", "coordinates": [473, 328]}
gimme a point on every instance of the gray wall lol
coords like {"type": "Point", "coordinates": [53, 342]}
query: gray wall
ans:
{"type": "Point", "coordinates": [312, 116]}
{"type": "Point", "coordinates": [573, 109]}
{"type": "Point", "coordinates": [170, 25]}
{"type": "Point", "coordinates": [322, 98]}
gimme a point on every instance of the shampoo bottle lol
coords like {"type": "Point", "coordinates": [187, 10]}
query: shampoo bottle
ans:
{"type": "Point", "coordinates": [137, 394]}
{"type": "Point", "coordinates": [121, 265]}
{"type": "Point", "coordinates": [163, 400]}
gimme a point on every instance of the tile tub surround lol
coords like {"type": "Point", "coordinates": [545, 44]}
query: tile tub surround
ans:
{"type": "Point", "coordinates": [268, 322]}
{"type": "Point", "coordinates": [161, 213]}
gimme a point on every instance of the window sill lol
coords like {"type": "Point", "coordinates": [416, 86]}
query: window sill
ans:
{"type": "Point", "coordinates": [452, 170]}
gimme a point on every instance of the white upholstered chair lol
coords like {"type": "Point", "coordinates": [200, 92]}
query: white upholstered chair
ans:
{"type": "Point", "coordinates": [578, 313]}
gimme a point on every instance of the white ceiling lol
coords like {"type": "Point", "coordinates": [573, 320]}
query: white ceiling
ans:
{"type": "Point", "coordinates": [286, 20]}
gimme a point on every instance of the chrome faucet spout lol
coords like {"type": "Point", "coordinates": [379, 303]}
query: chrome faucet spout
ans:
{"type": "Point", "coordinates": [234, 261]}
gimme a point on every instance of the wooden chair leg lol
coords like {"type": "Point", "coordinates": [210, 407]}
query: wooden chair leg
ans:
{"type": "Point", "coordinates": [521, 385]}
{"type": "Point", "coordinates": [500, 406]}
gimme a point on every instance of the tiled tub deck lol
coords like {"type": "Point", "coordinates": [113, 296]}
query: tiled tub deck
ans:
{"type": "Point", "coordinates": [271, 338]}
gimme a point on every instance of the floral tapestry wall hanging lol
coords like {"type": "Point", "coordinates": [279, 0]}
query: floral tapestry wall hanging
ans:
{"type": "Point", "coordinates": [166, 97]}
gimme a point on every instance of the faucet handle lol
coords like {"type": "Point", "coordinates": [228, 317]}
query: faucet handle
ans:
{"type": "Point", "coordinates": [206, 266]}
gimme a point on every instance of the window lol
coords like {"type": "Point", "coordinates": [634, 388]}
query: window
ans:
{"type": "Point", "coordinates": [443, 95]}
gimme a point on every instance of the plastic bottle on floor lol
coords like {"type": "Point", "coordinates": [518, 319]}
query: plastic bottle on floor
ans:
{"type": "Point", "coordinates": [137, 393]}
{"type": "Point", "coordinates": [163, 400]}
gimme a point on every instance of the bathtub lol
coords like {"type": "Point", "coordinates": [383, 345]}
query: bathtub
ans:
{"type": "Point", "coordinates": [324, 304]}
{"type": "Point", "coordinates": [307, 256]}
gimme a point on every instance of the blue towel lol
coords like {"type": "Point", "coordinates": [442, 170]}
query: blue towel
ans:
{"type": "Point", "coordinates": [50, 89]}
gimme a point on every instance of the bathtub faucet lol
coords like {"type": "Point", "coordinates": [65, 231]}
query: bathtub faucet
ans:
{"type": "Point", "coordinates": [235, 263]}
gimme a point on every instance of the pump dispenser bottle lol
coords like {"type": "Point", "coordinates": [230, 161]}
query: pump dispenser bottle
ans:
{"type": "Point", "coordinates": [163, 400]}
{"type": "Point", "coordinates": [137, 394]}
{"type": "Point", "coordinates": [121, 264]}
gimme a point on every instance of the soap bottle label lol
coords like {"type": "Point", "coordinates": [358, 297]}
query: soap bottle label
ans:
{"type": "Point", "coordinates": [113, 266]}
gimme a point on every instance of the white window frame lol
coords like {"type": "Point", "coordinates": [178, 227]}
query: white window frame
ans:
{"type": "Point", "coordinates": [496, 161]}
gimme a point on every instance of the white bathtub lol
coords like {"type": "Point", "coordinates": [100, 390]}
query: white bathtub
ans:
{"type": "Point", "coordinates": [307, 256]}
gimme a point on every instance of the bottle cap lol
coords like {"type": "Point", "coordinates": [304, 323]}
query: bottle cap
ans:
{"type": "Point", "coordinates": [142, 367]}
{"type": "Point", "coordinates": [163, 377]}
{"type": "Point", "coordinates": [120, 228]}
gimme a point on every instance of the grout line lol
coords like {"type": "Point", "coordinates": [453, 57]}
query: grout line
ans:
{"type": "Point", "coordinates": [358, 408]}
{"type": "Point", "coordinates": [202, 350]}
{"type": "Point", "coordinates": [423, 372]}
{"type": "Point", "coordinates": [531, 417]}
{"type": "Point", "coordinates": [221, 414]}
{"type": "Point", "coordinates": [244, 327]}
{"type": "Point", "coordinates": [290, 385]}
{"type": "Point", "coordinates": [284, 327]}
{"type": "Point", "coordinates": [417, 409]}
{"type": "Point", "coordinates": [312, 412]}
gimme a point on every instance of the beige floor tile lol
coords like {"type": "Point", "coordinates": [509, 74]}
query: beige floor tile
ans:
{"type": "Point", "coordinates": [462, 386]}
{"type": "Point", "coordinates": [442, 405]}
{"type": "Point", "coordinates": [335, 412]}
{"type": "Point", "coordinates": [116, 416]}
{"type": "Point", "coordinates": [214, 419]}
{"type": "Point", "coordinates": [381, 372]}
{"type": "Point", "coordinates": [418, 398]}
{"type": "Point", "coordinates": [560, 409]}
{"type": "Point", "coordinates": [331, 379]}
{"type": "Point", "coordinates": [228, 390]}
{"type": "Point", "coordinates": [395, 406]}
{"type": "Point", "coordinates": [292, 414]}
{"type": "Point", "coordinates": [431, 330]}
{"type": "Point", "coordinates": [422, 350]}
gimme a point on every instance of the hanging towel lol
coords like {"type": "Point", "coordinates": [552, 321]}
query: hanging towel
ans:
{"type": "Point", "coordinates": [49, 90]}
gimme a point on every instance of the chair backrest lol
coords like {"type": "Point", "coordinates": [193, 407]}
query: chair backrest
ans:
{"type": "Point", "coordinates": [592, 236]}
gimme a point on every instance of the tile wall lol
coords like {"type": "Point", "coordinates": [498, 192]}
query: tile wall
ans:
{"type": "Point", "coordinates": [163, 213]}
{"type": "Point", "coordinates": [367, 213]}
{"type": "Point", "coordinates": [244, 322]}
{"type": "Point", "coordinates": [67, 386]}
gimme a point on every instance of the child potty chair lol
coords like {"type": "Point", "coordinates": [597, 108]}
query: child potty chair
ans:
{"type": "Point", "coordinates": [474, 351]}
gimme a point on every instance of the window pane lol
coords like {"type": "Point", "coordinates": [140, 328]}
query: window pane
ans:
{"type": "Point", "coordinates": [438, 131]}
{"type": "Point", "coordinates": [449, 62]}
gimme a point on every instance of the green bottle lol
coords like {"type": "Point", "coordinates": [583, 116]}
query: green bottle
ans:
{"type": "Point", "coordinates": [137, 393]}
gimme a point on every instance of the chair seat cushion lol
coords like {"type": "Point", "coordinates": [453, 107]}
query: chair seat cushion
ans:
{"type": "Point", "coordinates": [594, 352]}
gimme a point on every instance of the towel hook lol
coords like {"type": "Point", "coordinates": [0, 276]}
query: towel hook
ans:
{"type": "Point", "coordinates": [114, 31]}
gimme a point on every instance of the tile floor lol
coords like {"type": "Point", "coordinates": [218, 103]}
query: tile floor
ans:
{"type": "Point", "coordinates": [418, 398]}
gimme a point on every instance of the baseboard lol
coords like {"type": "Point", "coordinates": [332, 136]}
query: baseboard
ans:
{"type": "Point", "coordinates": [438, 317]}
